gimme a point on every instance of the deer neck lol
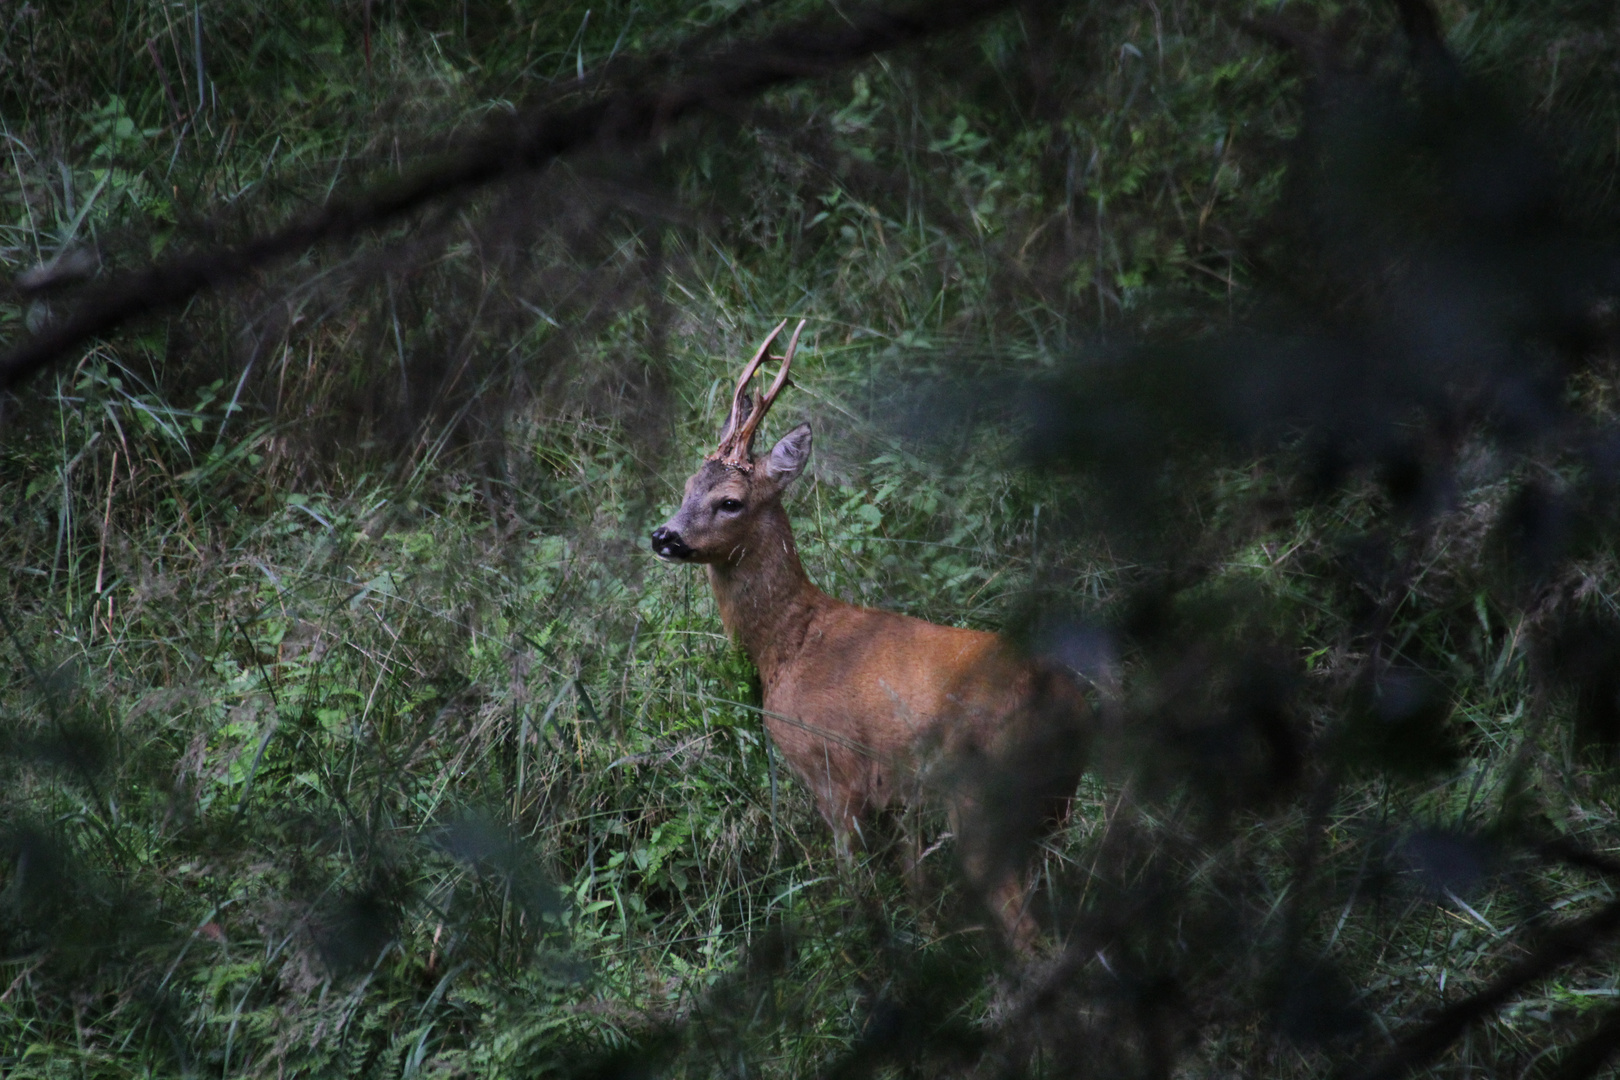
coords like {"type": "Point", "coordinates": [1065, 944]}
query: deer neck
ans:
{"type": "Point", "coordinates": [766, 599]}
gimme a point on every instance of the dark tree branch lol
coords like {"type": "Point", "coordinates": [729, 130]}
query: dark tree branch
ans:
{"type": "Point", "coordinates": [1422, 26]}
{"type": "Point", "coordinates": [1325, 47]}
{"type": "Point", "coordinates": [507, 146]}
{"type": "Point", "coordinates": [1594, 1052]}
{"type": "Point", "coordinates": [1566, 851]}
{"type": "Point", "coordinates": [1564, 945]}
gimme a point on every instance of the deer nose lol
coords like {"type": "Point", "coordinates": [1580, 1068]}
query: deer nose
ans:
{"type": "Point", "coordinates": [667, 543]}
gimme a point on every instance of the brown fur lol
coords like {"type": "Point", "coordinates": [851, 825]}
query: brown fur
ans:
{"type": "Point", "coordinates": [866, 705]}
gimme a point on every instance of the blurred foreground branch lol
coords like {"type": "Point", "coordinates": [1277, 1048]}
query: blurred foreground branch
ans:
{"type": "Point", "coordinates": [508, 145]}
{"type": "Point", "coordinates": [1562, 947]}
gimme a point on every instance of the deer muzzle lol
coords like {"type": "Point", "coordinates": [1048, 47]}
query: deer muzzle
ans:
{"type": "Point", "coordinates": [667, 544]}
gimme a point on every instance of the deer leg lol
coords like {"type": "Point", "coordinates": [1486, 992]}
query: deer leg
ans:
{"type": "Point", "coordinates": [844, 823]}
{"type": "Point", "coordinates": [839, 810]}
{"type": "Point", "coordinates": [915, 846]}
{"type": "Point", "coordinates": [1009, 899]}
{"type": "Point", "coordinates": [998, 882]}
{"type": "Point", "coordinates": [912, 846]}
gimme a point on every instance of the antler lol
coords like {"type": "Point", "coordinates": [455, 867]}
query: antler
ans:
{"type": "Point", "coordinates": [739, 437]}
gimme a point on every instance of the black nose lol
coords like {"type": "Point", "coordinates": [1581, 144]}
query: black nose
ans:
{"type": "Point", "coordinates": [667, 542]}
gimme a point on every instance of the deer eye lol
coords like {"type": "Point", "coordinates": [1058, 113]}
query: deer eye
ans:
{"type": "Point", "coordinates": [730, 506]}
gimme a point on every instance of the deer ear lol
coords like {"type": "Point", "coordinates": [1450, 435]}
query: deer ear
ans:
{"type": "Point", "coordinates": [788, 457]}
{"type": "Point", "coordinates": [744, 407]}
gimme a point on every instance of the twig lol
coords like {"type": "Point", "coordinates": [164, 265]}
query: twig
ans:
{"type": "Point", "coordinates": [163, 78]}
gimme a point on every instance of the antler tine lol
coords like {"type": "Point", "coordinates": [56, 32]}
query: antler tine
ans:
{"type": "Point", "coordinates": [763, 406]}
{"type": "Point", "coordinates": [727, 450]}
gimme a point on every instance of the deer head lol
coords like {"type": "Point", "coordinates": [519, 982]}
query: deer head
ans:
{"type": "Point", "coordinates": [722, 513]}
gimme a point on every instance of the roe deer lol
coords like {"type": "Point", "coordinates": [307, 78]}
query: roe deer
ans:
{"type": "Point", "coordinates": [859, 701]}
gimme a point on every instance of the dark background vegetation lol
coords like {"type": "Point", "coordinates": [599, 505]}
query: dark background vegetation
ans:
{"type": "Point", "coordinates": [1257, 361]}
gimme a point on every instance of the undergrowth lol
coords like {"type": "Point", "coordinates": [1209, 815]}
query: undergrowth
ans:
{"type": "Point", "coordinates": [350, 728]}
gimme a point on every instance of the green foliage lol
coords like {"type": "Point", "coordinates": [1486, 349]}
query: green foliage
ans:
{"type": "Point", "coordinates": [349, 730]}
